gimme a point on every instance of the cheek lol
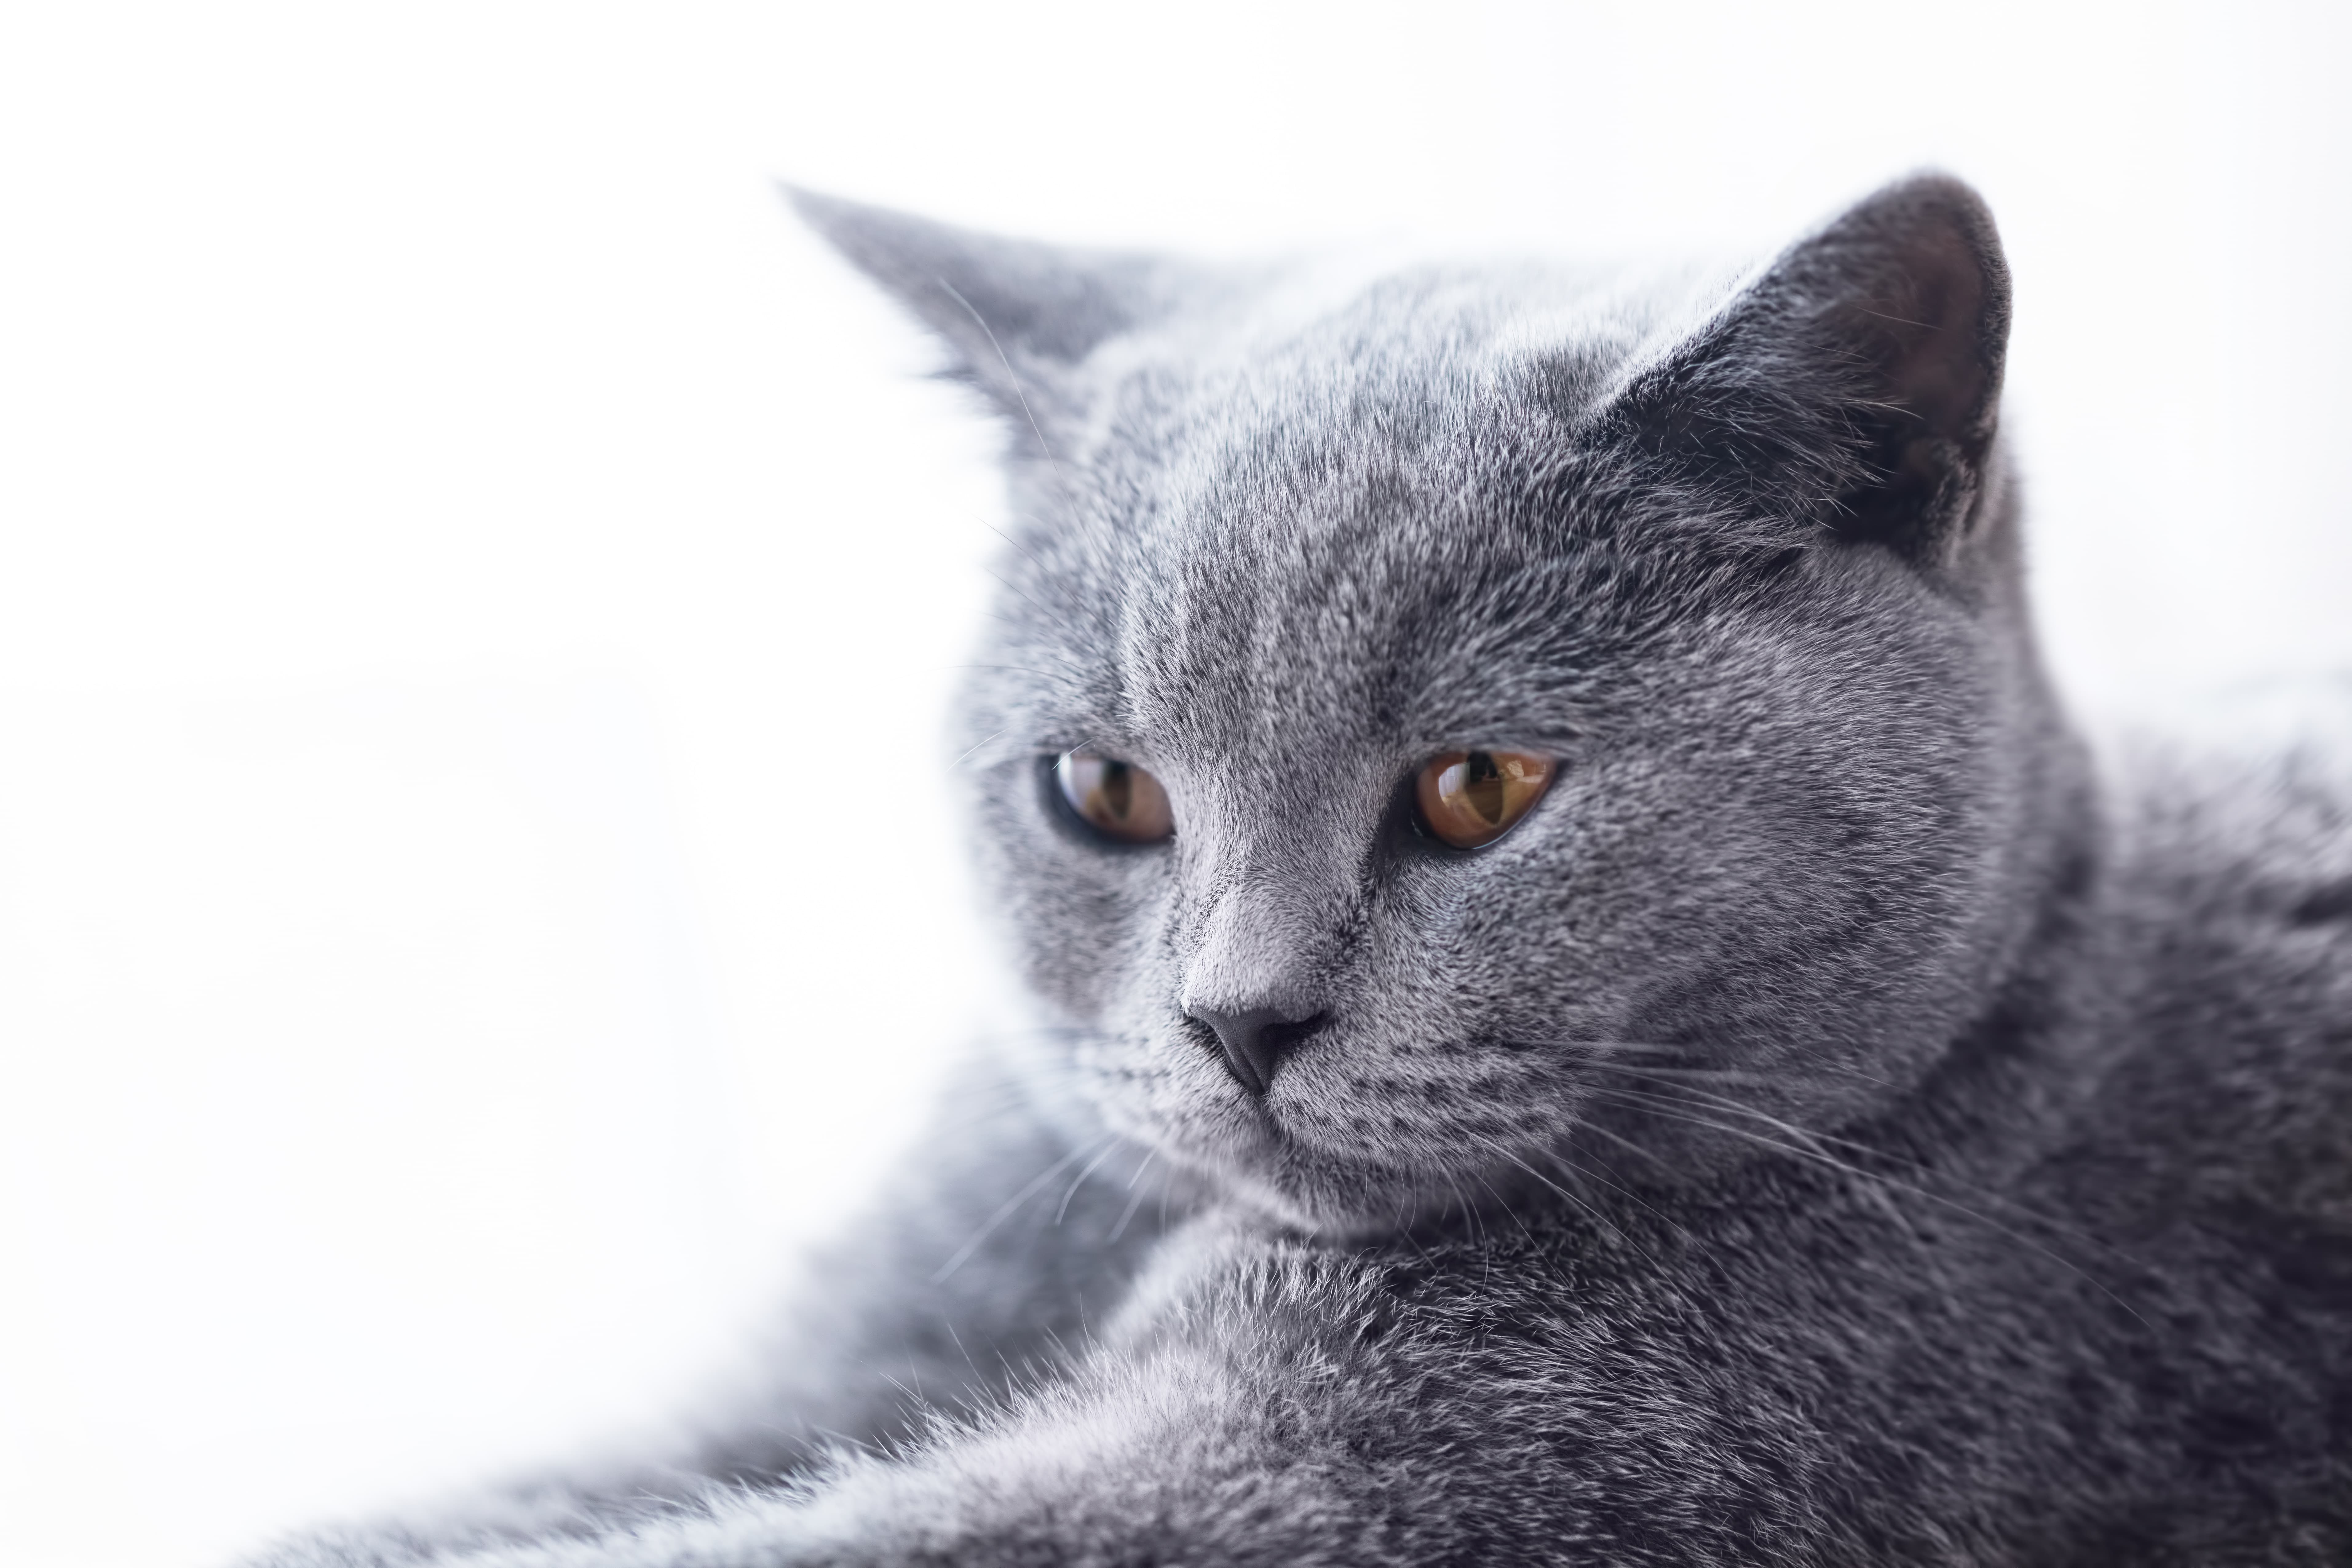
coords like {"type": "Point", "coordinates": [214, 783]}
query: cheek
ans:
{"type": "Point", "coordinates": [1084, 925]}
{"type": "Point", "coordinates": [1777, 895]}
{"type": "Point", "coordinates": [1637, 879]}
{"type": "Point", "coordinates": [1547, 920]}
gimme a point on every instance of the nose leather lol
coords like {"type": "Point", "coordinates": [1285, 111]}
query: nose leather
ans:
{"type": "Point", "coordinates": [1253, 1040]}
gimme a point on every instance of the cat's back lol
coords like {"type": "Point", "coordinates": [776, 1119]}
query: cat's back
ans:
{"type": "Point", "coordinates": [2232, 893]}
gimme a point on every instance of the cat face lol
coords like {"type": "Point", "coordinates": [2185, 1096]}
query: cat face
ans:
{"type": "Point", "coordinates": [1729, 581]}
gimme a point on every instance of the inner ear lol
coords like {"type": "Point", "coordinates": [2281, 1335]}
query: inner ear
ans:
{"type": "Point", "coordinates": [1931, 349]}
{"type": "Point", "coordinates": [1852, 389]}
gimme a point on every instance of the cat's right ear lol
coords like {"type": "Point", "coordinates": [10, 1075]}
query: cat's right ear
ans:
{"type": "Point", "coordinates": [1017, 317]}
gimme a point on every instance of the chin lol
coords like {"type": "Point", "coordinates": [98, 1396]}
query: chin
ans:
{"type": "Point", "coordinates": [1333, 1196]}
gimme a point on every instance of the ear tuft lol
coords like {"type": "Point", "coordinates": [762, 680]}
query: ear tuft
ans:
{"type": "Point", "coordinates": [1857, 384]}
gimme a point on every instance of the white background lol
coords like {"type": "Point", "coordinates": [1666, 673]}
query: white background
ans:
{"type": "Point", "coordinates": [478, 589]}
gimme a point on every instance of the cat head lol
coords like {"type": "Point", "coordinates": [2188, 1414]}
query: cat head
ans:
{"type": "Point", "coordinates": [1432, 710]}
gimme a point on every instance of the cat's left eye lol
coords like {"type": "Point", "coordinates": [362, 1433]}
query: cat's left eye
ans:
{"type": "Point", "coordinates": [1470, 799]}
{"type": "Point", "coordinates": [1116, 799]}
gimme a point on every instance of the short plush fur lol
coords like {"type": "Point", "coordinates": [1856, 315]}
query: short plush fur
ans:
{"type": "Point", "coordinates": [1836, 1126]}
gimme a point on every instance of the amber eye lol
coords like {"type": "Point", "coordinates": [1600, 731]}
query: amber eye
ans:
{"type": "Point", "coordinates": [1469, 798]}
{"type": "Point", "coordinates": [1116, 799]}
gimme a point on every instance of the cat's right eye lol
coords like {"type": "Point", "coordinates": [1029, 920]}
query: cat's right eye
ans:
{"type": "Point", "coordinates": [1116, 799]}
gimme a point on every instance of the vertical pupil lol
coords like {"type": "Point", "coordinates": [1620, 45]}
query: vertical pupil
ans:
{"type": "Point", "coordinates": [1118, 789]}
{"type": "Point", "coordinates": [1482, 786]}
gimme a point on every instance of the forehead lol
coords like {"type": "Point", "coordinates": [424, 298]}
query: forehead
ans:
{"type": "Point", "coordinates": [1334, 528]}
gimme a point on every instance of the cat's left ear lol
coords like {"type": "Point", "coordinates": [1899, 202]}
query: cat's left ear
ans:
{"type": "Point", "coordinates": [1018, 317]}
{"type": "Point", "coordinates": [1853, 386]}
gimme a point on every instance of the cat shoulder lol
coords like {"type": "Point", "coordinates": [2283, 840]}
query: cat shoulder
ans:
{"type": "Point", "coordinates": [2233, 898]}
{"type": "Point", "coordinates": [2242, 803]}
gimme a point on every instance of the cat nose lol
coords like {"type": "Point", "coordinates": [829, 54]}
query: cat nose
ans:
{"type": "Point", "coordinates": [1254, 1039]}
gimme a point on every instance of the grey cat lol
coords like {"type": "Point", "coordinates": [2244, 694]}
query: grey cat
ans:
{"type": "Point", "coordinates": [1591, 1007]}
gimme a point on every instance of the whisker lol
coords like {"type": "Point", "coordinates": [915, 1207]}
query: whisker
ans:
{"type": "Point", "coordinates": [1599, 1219]}
{"type": "Point", "coordinates": [1045, 573]}
{"type": "Point", "coordinates": [1650, 1154]}
{"type": "Point", "coordinates": [1111, 1147]}
{"type": "Point", "coordinates": [1820, 1141]}
{"type": "Point", "coordinates": [968, 754]}
{"type": "Point", "coordinates": [1505, 1203]}
{"type": "Point", "coordinates": [1462, 1201]}
{"type": "Point", "coordinates": [1062, 489]}
{"type": "Point", "coordinates": [1651, 1103]}
{"type": "Point", "coordinates": [1071, 674]}
{"type": "Point", "coordinates": [1013, 588]}
{"type": "Point", "coordinates": [1602, 1048]}
{"type": "Point", "coordinates": [1629, 1194]}
{"type": "Point", "coordinates": [1699, 1075]}
{"type": "Point", "coordinates": [1135, 1202]}
{"type": "Point", "coordinates": [989, 332]}
{"type": "Point", "coordinates": [1649, 1046]}
{"type": "Point", "coordinates": [1006, 1209]}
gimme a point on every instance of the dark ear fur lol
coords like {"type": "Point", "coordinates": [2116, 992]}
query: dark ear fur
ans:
{"type": "Point", "coordinates": [1855, 386]}
{"type": "Point", "coordinates": [1014, 314]}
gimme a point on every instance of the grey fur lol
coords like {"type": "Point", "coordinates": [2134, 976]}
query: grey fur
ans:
{"type": "Point", "coordinates": [1833, 1128]}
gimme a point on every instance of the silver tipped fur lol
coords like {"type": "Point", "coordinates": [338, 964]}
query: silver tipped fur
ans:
{"type": "Point", "coordinates": [1837, 1126]}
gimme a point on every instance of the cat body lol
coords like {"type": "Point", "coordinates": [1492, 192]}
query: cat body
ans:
{"type": "Point", "coordinates": [1835, 1123]}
